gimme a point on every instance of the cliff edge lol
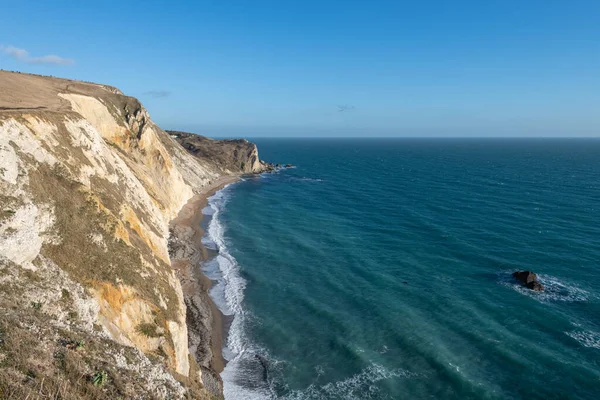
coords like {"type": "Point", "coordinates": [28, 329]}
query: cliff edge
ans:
{"type": "Point", "coordinates": [90, 305]}
{"type": "Point", "coordinates": [230, 156]}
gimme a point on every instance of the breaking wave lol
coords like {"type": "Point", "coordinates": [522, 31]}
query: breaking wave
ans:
{"type": "Point", "coordinates": [360, 386]}
{"type": "Point", "coordinates": [243, 377]}
{"type": "Point", "coordinates": [228, 295]}
{"type": "Point", "coordinates": [586, 338]}
{"type": "Point", "coordinates": [554, 289]}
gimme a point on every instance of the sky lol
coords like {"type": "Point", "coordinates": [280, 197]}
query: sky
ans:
{"type": "Point", "coordinates": [327, 68]}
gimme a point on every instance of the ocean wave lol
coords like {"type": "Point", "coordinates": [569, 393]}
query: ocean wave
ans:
{"type": "Point", "coordinates": [208, 210]}
{"type": "Point", "coordinates": [228, 295]}
{"type": "Point", "coordinates": [290, 178]}
{"type": "Point", "coordinates": [359, 386]}
{"type": "Point", "coordinates": [307, 179]}
{"type": "Point", "coordinates": [243, 374]}
{"type": "Point", "coordinates": [586, 338]}
{"type": "Point", "coordinates": [229, 281]}
{"type": "Point", "coordinates": [209, 244]}
{"type": "Point", "coordinates": [554, 289]}
{"type": "Point", "coordinates": [218, 294]}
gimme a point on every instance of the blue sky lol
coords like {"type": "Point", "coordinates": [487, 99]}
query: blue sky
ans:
{"type": "Point", "coordinates": [282, 68]}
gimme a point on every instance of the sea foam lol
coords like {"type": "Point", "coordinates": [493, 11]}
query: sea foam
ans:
{"type": "Point", "coordinates": [228, 295]}
{"type": "Point", "coordinates": [360, 386]}
{"type": "Point", "coordinates": [241, 369]}
{"type": "Point", "coordinates": [554, 289]}
{"type": "Point", "coordinates": [586, 338]}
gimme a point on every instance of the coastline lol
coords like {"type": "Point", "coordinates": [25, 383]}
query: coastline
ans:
{"type": "Point", "coordinates": [207, 326]}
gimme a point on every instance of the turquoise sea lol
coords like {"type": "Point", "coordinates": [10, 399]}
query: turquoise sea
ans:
{"type": "Point", "coordinates": [381, 269]}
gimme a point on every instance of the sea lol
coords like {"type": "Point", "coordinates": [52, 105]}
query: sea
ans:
{"type": "Point", "coordinates": [381, 269]}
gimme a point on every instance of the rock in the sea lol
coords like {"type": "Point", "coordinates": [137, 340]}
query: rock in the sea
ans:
{"type": "Point", "coordinates": [265, 364]}
{"type": "Point", "coordinates": [529, 279]}
{"type": "Point", "coordinates": [536, 286]}
{"type": "Point", "coordinates": [288, 165]}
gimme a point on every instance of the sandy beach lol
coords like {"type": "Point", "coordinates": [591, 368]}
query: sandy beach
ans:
{"type": "Point", "coordinates": [187, 251]}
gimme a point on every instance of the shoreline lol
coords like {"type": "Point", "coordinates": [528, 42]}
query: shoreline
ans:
{"type": "Point", "coordinates": [207, 325]}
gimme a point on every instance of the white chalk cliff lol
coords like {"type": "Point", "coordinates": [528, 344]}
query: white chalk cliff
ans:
{"type": "Point", "coordinates": [88, 185]}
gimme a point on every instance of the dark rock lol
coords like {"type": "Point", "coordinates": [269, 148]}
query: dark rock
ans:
{"type": "Point", "coordinates": [535, 286]}
{"type": "Point", "coordinates": [265, 364]}
{"type": "Point", "coordinates": [525, 276]}
{"type": "Point", "coordinates": [529, 279]}
{"type": "Point", "coordinates": [288, 165]}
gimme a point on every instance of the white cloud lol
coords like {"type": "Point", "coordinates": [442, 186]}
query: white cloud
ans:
{"type": "Point", "coordinates": [24, 56]}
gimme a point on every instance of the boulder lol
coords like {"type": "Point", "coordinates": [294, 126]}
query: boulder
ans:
{"type": "Point", "coordinates": [535, 286]}
{"type": "Point", "coordinates": [529, 279]}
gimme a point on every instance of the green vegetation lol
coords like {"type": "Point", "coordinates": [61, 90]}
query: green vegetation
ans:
{"type": "Point", "coordinates": [99, 378]}
{"type": "Point", "coordinates": [148, 329]}
{"type": "Point", "coordinates": [40, 357]}
{"type": "Point", "coordinates": [78, 218]}
{"type": "Point", "coordinates": [34, 365]}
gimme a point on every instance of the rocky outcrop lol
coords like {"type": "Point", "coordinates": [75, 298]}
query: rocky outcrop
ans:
{"type": "Point", "coordinates": [88, 185]}
{"type": "Point", "coordinates": [232, 156]}
{"type": "Point", "coordinates": [529, 279]}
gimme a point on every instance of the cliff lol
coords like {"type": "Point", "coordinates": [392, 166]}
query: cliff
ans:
{"type": "Point", "coordinates": [90, 305]}
{"type": "Point", "coordinates": [229, 155]}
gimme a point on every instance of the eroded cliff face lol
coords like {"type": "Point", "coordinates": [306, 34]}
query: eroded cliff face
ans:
{"type": "Point", "coordinates": [88, 185]}
{"type": "Point", "coordinates": [229, 155]}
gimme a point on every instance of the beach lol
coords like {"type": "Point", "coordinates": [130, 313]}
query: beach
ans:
{"type": "Point", "coordinates": [207, 325]}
